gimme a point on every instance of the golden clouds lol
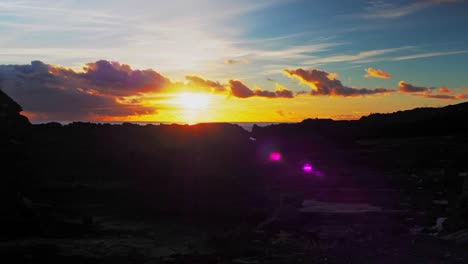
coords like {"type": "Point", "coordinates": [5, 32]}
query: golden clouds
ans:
{"type": "Point", "coordinates": [377, 73]}
{"type": "Point", "coordinates": [325, 83]}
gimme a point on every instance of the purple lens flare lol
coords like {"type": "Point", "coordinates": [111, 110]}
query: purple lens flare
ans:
{"type": "Point", "coordinates": [307, 168]}
{"type": "Point", "coordinates": [275, 156]}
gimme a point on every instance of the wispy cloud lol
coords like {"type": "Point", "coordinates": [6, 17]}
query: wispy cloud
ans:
{"type": "Point", "coordinates": [428, 55]}
{"type": "Point", "coordinates": [386, 10]}
{"type": "Point", "coordinates": [171, 34]}
{"type": "Point", "coordinates": [293, 52]}
{"type": "Point", "coordinates": [236, 61]}
{"type": "Point", "coordinates": [357, 57]}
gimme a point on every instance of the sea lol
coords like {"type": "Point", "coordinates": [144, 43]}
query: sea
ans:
{"type": "Point", "coordinates": [245, 125]}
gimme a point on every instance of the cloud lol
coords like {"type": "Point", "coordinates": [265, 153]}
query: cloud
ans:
{"type": "Point", "coordinates": [446, 96]}
{"type": "Point", "coordinates": [283, 113]}
{"type": "Point", "coordinates": [240, 90]}
{"type": "Point", "coordinates": [368, 55]}
{"type": "Point", "coordinates": [104, 77]}
{"type": "Point", "coordinates": [302, 92]}
{"type": "Point", "coordinates": [57, 93]}
{"type": "Point", "coordinates": [428, 55]}
{"type": "Point", "coordinates": [384, 10]}
{"type": "Point", "coordinates": [405, 87]}
{"type": "Point", "coordinates": [236, 61]}
{"type": "Point", "coordinates": [282, 91]}
{"type": "Point", "coordinates": [199, 82]}
{"type": "Point", "coordinates": [119, 79]}
{"type": "Point", "coordinates": [426, 92]}
{"type": "Point", "coordinates": [444, 90]}
{"type": "Point", "coordinates": [373, 73]}
{"type": "Point", "coordinates": [124, 32]}
{"type": "Point", "coordinates": [324, 83]}
{"type": "Point", "coordinates": [444, 1]}
{"type": "Point", "coordinates": [105, 89]}
{"type": "Point", "coordinates": [291, 52]}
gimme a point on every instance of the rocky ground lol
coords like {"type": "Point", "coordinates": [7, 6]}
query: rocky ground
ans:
{"type": "Point", "coordinates": [350, 231]}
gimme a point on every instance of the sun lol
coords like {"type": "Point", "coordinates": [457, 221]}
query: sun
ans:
{"type": "Point", "coordinates": [192, 101]}
{"type": "Point", "coordinates": [189, 107]}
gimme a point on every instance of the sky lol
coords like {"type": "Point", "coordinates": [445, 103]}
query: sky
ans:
{"type": "Point", "coordinates": [231, 61]}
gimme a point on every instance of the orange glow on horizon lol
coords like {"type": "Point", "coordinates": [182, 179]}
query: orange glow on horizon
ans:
{"type": "Point", "coordinates": [192, 108]}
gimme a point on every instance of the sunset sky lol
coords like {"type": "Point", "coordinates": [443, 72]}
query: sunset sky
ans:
{"type": "Point", "coordinates": [217, 60]}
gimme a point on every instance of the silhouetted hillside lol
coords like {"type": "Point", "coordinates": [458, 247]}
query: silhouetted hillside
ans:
{"type": "Point", "coordinates": [446, 120]}
{"type": "Point", "coordinates": [421, 114]}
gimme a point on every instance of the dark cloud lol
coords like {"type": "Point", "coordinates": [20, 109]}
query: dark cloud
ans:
{"type": "Point", "coordinates": [285, 93]}
{"type": "Point", "coordinates": [56, 93]}
{"type": "Point", "coordinates": [199, 82]}
{"type": "Point", "coordinates": [35, 67]}
{"type": "Point", "coordinates": [240, 90]}
{"type": "Point", "coordinates": [426, 92]}
{"type": "Point", "coordinates": [405, 87]}
{"type": "Point", "coordinates": [446, 96]}
{"type": "Point", "coordinates": [119, 79]}
{"type": "Point", "coordinates": [264, 93]}
{"type": "Point", "coordinates": [302, 92]}
{"type": "Point", "coordinates": [111, 78]}
{"type": "Point", "coordinates": [324, 83]}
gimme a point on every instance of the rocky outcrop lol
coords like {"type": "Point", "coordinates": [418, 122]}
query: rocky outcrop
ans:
{"type": "Point", "coordinates": [14, 131]}
{"type": "Point", "coordinates": [459, 217]}
{"type": "Point", "coordinates": [12, 123]}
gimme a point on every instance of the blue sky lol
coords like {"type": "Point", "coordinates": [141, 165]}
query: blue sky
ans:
{"type": "Point", "coordinates": [423, 42]}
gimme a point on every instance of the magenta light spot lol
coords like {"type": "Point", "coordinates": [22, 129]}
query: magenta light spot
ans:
{"type": "Point", "coordinates": [275, 156]}
{"type": "Point", "coordinates": [307, 168]}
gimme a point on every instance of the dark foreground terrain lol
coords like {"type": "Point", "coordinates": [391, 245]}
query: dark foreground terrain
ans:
{"type": "Point", "coordinates": [384, 189]}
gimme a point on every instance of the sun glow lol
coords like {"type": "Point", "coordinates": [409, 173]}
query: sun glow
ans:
{"type": "Point", "coordinates": [192, 107]}
{"type": "Point", "coordinates": [192, 101]}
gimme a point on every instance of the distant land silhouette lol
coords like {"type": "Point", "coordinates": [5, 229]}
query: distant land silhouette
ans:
{"type": "Point", "coordinates": [416, 122]}
{"type": "Point", "coordinates": [60, 181]}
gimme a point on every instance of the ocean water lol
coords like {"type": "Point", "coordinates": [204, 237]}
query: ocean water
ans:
{"type": "Point", "coordinates": [249, 125]}
{"type": "Point", "coordinates": [245, 125]}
